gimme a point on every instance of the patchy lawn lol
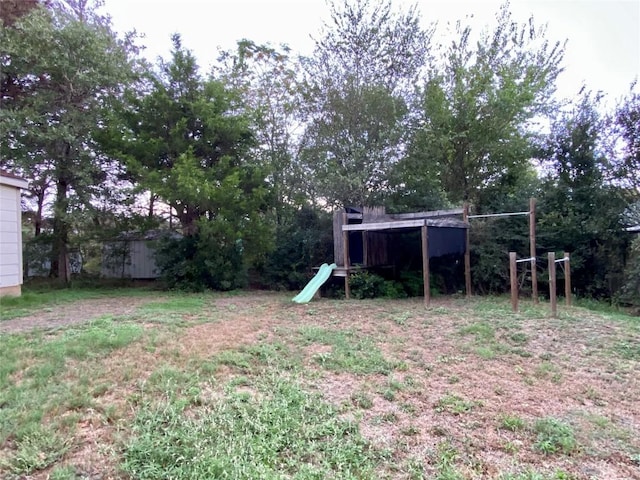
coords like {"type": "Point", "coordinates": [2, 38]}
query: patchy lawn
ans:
{"type": "Point", "coordinates": [249, 385]}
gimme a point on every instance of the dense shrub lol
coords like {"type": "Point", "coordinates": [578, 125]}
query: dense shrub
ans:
{"type": "Point", "coordinates": [304, 239]}
{"type": "Point", "coordinates": [211, 258]}
{"type": "Point", "coordinates": [366, 285]}
{"type": "Point", "coordinates": [631, 291]}
{"type": "Point", "coordinates": [370, 285]}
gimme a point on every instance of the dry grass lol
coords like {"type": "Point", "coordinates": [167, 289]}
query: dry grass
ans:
{"type": "Point", "coordinates": [454, 391]}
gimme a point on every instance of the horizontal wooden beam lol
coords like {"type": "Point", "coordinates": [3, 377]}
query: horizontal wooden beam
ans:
{"type": "Point", "coordinates": [431, 214]}
{"type": "Point", "coordinates": [360, 227]}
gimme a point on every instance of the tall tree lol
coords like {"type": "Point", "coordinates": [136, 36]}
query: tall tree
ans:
{"type": "Point", "coordinates": [579, 210]}
{"type": "Point", "coordinates": [357, 84]}
{"type": "Point", "coordinates": [478, 103]}
{"type": "Point", "coordinates": [627, 126]}
{"type": "Point", "coordinates": [66, 65]}
{"type": "Point", "coordinates": [185, 139]}
{"type": "Point", "coordinates": [268, 86]}
{"type": "Point", "coordinates": [181, 139]}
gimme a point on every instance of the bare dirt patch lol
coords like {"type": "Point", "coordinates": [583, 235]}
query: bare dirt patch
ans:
{"type": "Point", "coordinates": [74, 313]}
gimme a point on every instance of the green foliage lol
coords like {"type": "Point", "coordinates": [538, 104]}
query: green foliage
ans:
{"type": "Point", "coordinates": [35, 450]}
{"type": "Point", "coordinates": [209, 259]}
{"type": "Point", "coordinates": [366, 285]}
{"type": "Point", "coordinates": [370, 285]}
{"type": "Point", "coordinates": [183, 141]}
{"type": "Point", "coordinates": [627, 126]}
{"type": "Point", "coordinates": [473, 133]}
{"type": "Point", "coordinates": [96, 339]}
{"type": "Point", "coordinates": [36, 298]}
{"type": "Point", "coordinates": [275, 429]}
{"type": "Point", "coordinates": [269, 89]}
{"type": "Point", "coordinates": [303, 240]}
{"type": "Point", "coordinates": [513, 423]}
{"type": "Point", "coordinates": [50, 383]}
{"type": "Point", "coordinates": [349, 352]}
{"type": "Point", "coordinates": [568, 219]}
{"type": "Point", "coordinates": [631, 290]}
{"type": "Point", "coordinates": [61, 68]}
{"type": "Point", "coordinates": [454, 404]}
{"type": "Point", "coordinates": [554, 436]}
{"type": "Point", "coordinates": [357, 84]}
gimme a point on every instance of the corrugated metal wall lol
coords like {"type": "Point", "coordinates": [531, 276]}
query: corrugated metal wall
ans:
{"type": "Point", "coordinates": [129, 259]}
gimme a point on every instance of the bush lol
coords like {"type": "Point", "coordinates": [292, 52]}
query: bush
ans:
{"type": "Point", "coordinates": [369, 285]}
{"type": "Point", "coordinates": [211, 258]}
{"type": "Point", "coordinates": [366, 285]}
{"type": "Point", "coordinates": [304, 239]}
{"type": "Point", "coordinates": [631, 290]}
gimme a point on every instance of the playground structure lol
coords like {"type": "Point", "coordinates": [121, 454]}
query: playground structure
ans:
{"type": "Point", "coordinates": [363, 239]}
{"type": "Point", "coordinates": [552, 261]}
{"type": "Point", "coordinates": [531, 213]}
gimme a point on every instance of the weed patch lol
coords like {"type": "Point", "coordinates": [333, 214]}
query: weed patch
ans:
{"type": "Point", "coordinates": [281, 432]}
{"type": "Point", "coordinates": [349, 353]}
{"type": "Point", "coordinates": [554, 436]}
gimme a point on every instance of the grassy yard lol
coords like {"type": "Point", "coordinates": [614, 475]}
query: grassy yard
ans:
{"type": "Point", "coordinates": [250, 386]}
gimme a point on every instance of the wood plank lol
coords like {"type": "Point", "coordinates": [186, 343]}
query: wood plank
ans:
{"type": "Point", "coordinates": [346, 261]}
{"type": "Point", "coordinates": [467, 253]}
{"type": "Point", "coordinates": [338, 255]}
{"type": "Point", "coordinates": [532, 249]}
{"type": "Point", "coordinates": [425, 265]}
{"type": "Point", "coordinates": [567, 278]}
{"type": "Point", "coordinates": [431, 214]}
{"type": "Point", "coordinates": [513, 277]}
{"type": "Point", "coordinates": [384, 225]}
{"type": "Point", "coordinates": [552, 284]}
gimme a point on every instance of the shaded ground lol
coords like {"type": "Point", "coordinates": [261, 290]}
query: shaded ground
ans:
{"type": "Point", "coordinates": [460, 389]}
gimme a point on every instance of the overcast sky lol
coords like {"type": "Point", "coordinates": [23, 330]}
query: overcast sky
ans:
{"type": "Point", "coordinates": [603, 49]}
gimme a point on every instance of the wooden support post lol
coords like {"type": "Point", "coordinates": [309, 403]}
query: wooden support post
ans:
{"type": "Point", "coordinates": [467, 252]}
{"type": "Point", "coordinates": [365, 243]}
{"type": "Point", "coordinates": [532, 249]}
{"type": "Point", "coordinates": [552, 284]}
{"type": "Point", "coordinates": [513, 276]}
{"type": "Point", "coordinates": [567, 279]}
{"type": "Point", "coordinates": [345, 253]}
{"type": "Point", "coordinates": [425, 264]}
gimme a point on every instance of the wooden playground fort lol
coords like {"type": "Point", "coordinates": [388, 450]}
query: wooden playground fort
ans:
{"type": "Point", "coordinates": [363, 239]}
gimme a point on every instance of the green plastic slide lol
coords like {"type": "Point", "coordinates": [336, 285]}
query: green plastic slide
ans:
{"type": "Point", "coordinates": [316, 282]}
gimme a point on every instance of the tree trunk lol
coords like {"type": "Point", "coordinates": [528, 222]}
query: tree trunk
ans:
{"type": "Point", "coordinates": [188, 217]}
{"type": "Point", "coordinates": [60, 267]}
{"type": "Point", "coordinates": [37, 224]}
{"type": "Point", "coordinates": [152, 200]}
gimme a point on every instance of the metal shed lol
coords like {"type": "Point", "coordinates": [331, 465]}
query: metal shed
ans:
{"type": "Point", "coordinates": [133, 255]}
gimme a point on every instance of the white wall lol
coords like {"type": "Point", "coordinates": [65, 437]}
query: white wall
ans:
{"type": "Point", "coordinates": [10, 236]}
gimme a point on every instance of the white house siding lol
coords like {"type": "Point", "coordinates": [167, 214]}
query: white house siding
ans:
{"type": "Point", "coordinates": [10, 235]}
